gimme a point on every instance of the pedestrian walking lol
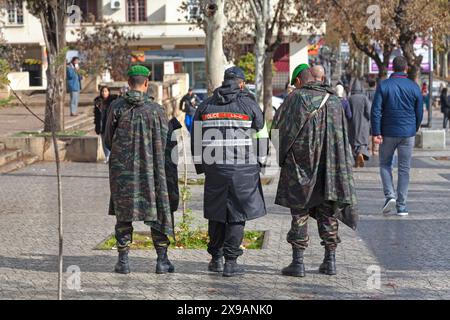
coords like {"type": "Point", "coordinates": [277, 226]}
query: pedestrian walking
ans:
{"type": "Point", "coordinates": [425, 96]}
{"type": "Point", "coordinates": [370, 93]}
{"type": "Point", "coordinates": [188, 104]}
{"type": "Point", "coordinates": [74, 84]}
{"type": "Point", "coordinates": [101, 107]}
{"type": "Point", "coordinates": [223, 148]}
{"type": "Point", "coordinates": [359, 126]}
{"type": "Point", "coordinates": [397, 113]}
{"type": "Point", "coordinates": [137, 134]}
{"type": "Point", "coordinates": [445, 106]}
{"type": "Point", "coordinates": [312, 134]}
{"type": "Point", "coordinates": [340, 92]}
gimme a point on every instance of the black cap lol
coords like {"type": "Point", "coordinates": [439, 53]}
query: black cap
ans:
{"type": "Point", "coordinates": [234, 73]}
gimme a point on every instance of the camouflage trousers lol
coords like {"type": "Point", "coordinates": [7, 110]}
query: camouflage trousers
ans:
{"type": "Point", "coordinates": [327, 224]}
{"type": "Point", "coordinates": [124, 236]}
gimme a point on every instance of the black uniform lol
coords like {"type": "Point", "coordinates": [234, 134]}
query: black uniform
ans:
{"type": "Point", "coordinates": [223, 148]}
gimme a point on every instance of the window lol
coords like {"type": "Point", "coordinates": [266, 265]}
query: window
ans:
{"type": "Point", "coordinates": [197, 73]}
{"type": "Point", "coordinates": [136, 10]}
{"type": "Point", "coordinates": [15, 11]}
{"type": "Point", "coordinates": [193, 9]}
{"type": "Point", "coordinates": [89, 9]}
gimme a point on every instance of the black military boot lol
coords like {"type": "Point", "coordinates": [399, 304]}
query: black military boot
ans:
{"type": "Point", "coordinates": [232, 268]}
{"type": "Point", "coordinates": [216, 264]}
{"type": "Point", "coordinates": [123, 265]}
{"type": "Point", "coordinates": [329, 262]}
{"type": "Point", "coordinates": [163, 265]}
{"type": "Point", "coordinates": [296, 268]}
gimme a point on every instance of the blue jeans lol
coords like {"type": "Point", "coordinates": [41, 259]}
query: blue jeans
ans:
{"type": "Point", "coordinates": [404, 147]}
{"type": "Point", "coordinates": [74, 99]}
{"type": "Point", "coordinates": [188, 122]}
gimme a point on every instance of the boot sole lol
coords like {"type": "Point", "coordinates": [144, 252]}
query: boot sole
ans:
{"type": "Point", "coordinates": [122, 272]}
{"type": "Point", "coordinates": [164, 271]}
{"type": "Point", "coordinates": [229, 275]}
{"type": "Point", "coordinates": [327, 272]}
{"type": "Point", "coordinates": [298, 275]}
{"type": "Point", "coordinates": [215, 270]}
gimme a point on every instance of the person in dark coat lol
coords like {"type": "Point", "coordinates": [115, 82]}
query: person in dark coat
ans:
{"type": "Point", "coordinates": [188, 105]}
{"type": "Point", "coordinates": [445, 106]}
{"type": "Point", "coordinates": [340, 92]}
{"type": "Point", "coordinates": [101, 108]}
{"type": "Point", "coordinates": [223, 148]}
{"type": "Point", "coordinates": [370, 93]}
{"type": "Point", "coordinates": [359, 126]}
{"type": "Point", "coordinates": [172, 165]}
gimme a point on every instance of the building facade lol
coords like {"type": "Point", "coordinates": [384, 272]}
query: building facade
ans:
{"type": "Point", "coordinates": [167, 43]}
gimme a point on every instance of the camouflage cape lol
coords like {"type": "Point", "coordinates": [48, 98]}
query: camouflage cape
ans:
{"type": "Point", "coordinates": [136, 133]}
{"type": "Point", "coordinates": [314, 155]}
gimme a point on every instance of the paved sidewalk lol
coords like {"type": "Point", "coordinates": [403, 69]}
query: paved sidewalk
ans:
{"type": "Point", "coordinates": [14, 119]}
{"type": "Point", "coordinates": [412, 252]}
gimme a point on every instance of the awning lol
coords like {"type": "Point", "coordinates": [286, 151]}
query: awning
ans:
{"type": "Point", "coordinates": [176, 55]}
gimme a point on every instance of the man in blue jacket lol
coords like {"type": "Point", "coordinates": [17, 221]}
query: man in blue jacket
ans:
{"type": "Point", "coordinates": [396, 117]}
{"type": "Point", "coordinates": [74, 84]}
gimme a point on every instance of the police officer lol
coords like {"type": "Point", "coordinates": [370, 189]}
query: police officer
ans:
{"type": "Point", "coordinates": [223, 147]}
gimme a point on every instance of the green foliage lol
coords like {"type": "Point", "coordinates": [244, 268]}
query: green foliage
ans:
{"type": "Point", "coordinates": [80, 133]}
{"type": "Point", "coordinates": [248, 64]}
{"type": "Point", "coordinates": [186, 236]}
{"type": "Point", "coordinates": [193, 182]}
{"type": "Point", "coordinates": [4, 70]}
{"type": "Point", "coordinates": [196, 240]}
{"type": "Point", "coordinates": [6, 102]}
{"type": "Point", "coordinates": [61, 57]}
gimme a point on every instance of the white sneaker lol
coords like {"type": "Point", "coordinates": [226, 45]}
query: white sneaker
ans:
{"type": "Point", "coordinates": [389, 205]}
{"type": "Point", "coordinates": [402, 213]}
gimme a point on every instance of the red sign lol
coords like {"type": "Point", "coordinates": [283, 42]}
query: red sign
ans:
{"type": "Point", "coordinates": [225, 115]}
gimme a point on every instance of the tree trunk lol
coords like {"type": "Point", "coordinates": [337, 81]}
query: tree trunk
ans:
{"type": "Point", "coordinates": [268, 86]}
{"type": "Point", "coordinates": [445, 65]}
{"type": "Point", "coordinates": [261, 14]}
{"type": "Point", "coordinates": [437, 59]}
{"type": "Point", "coordinates": [55, 97]}
{"type": "Point", "coordinates": [260, 50]}
{"type": "Point", "coordinates": [215, 58]}
{"type": "Point", "coordinates": [53, 21]}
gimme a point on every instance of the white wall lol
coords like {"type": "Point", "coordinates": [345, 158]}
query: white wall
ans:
{"type": "Point", "coordinates": [29, 32]}
{"type": "Point", "coordinates": [118, 15]}
{"type": "Point", "coordinates": [298, 53]}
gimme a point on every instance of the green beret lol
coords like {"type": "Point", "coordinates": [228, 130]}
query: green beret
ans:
{"type": "Point", "coordinates": [138, 71]}
{"type": "Point", "coordinates": [297, 72]}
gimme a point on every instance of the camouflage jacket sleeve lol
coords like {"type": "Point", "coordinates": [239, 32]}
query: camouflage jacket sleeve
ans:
{"type": "Point", "coordinates": [111, 123]}
{"type": "Point", "coordinates": [288, 120]}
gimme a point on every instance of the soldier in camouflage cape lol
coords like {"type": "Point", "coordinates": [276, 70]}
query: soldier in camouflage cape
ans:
{"type": "Point", "coordinates": [316, 176]}
{"type": "Point", "coordinates": [137, 133]}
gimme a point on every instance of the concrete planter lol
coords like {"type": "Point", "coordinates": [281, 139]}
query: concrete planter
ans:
{"type": "Point", "coordinates": [76, 149]}
{"type": "Point", "coordinates": [428, 139]}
